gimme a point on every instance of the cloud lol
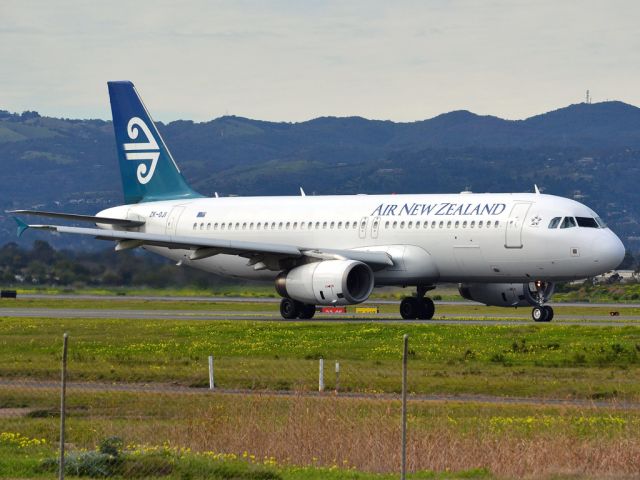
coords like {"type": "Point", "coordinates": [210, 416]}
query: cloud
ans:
{"type": "Point", "coordinates": [291, 60]}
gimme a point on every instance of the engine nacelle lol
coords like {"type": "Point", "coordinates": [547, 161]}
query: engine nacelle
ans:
{"type": "Point", "coordinates": [508, 294]}
{"type": "Point", "coordinates": [330, 282]}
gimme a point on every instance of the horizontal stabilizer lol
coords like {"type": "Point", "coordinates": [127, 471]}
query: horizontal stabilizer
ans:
{"type": "Point", "coordinates": [21, 226]}
{"type": "Point", "coordinates": [82, 218]}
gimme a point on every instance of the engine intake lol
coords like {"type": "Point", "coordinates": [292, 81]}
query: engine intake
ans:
{"type": "Point", "coordinates": [331, 282]}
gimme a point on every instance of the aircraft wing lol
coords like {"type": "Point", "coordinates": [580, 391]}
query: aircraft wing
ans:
{"type": "Point", "coordinates": [82, 218]}
{"type": "Point", "coordinates": [261, 255]}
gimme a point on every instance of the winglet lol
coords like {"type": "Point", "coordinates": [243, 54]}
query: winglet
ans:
{"type": "Point", "coordinates": [302, 194]}
{"type": "Point", "coordinates": [535, 187]}
{"type": "Point", "coordinates": [21, 226]}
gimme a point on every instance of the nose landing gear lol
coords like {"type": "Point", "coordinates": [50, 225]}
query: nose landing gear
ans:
{"type": "Point", "coordinates": [542, 313]}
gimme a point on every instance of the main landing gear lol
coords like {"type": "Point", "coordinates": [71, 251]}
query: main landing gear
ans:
{"type": "Point", "coordinates": [418, 307]}
{"type": "Point", "coordinates": [291, 309]}
{"type": "Point", "coordinates": [542, 313]}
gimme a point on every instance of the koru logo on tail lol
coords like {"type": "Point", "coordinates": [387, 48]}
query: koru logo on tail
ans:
{"type": "Point", "coordinates": [148, 150]}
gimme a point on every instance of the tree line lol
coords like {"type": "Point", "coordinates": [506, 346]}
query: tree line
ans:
{"type": "Point", "coordinates": [41, 264]}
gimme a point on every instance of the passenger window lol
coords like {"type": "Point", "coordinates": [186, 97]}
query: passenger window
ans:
{"type": "Point", "coordinates": [317, 225]}
{"type": "Point", "coordinates": [208, 226]}
{"type": "Point", "coordinates": [324, 224]}
{"type": "Point", "coordinates": [222, 226]}
{"type": "Point", "coordinates": [215, 226]}
{"type": "Point", "coordinates": [355, 225]}
{"type": "Point", "coordinates": [464, 224]}
{"type": "Point", "coordinates": [555, 221]}
{"type": "Point", "coordinates": [333, 224]}
{"type": "Point", "coordinates": [273, 225]}
{"type": "Point", "coordinates": [401, 224]}
{"type": "Point", "coordinates": [473, 224]}
{"type": "Point", "coordinates": [479, 224]}
{"type": "Point", "coordinates": [288, 225]}
{"type": "Point", "coordinates": [457, 224]}
{"type": "Point", "coordinates": [587, 222]}
{"type": "Point", "coordinates": [346, 225]}
{"type": "Point", "coordinates": [449, 224]}
{"type": "Point", "coordinates": [496, 224]}
{"type": "Point", "coordinates": [488, 223]}
{"type": "Point", "coordinates": [258, 225]}
{"type": "Point", "coordinates": [395, 224]}
{"type": "Point", "coordinates": [410, 225]}
{"type": "Point", "coordinates": [568, 222]}
{"type": "Point", "coordinates": [340, 225]}
{"type": "Point", "coordinates": [237, 225]}
{"type": "Point", "coordinates": [195, 226]}
{"type": "Point", "coordinates": [202, 226]}
{"type": "Point", "coordinates": [433, 224]}
{"type": "Point", "coordinates": [295, 225]}
{"type": "Point", "coordinates": [386, 225]}
{"type": "Point", "coordinates": [441, 224]}
{"type": "Point", "coordinates": [280, 226]}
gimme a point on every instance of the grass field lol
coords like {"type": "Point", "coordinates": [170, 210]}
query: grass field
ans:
{"type": "Point", "coordinates": [534, 360]}
{"type": "Point", "coordinates": [294, 436]}
{"type": "Point", "coordinates": [297, 436]}
{"type": "Point", "coordinates": [601, 293]}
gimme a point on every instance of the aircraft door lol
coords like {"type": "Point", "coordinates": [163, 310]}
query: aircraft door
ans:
{"type": "Point", "coordinates": [363, 227]}
{"type": "Point", "coordinates": [375, 226]}
{"type": "Point", "coordinates": [172, 221]}
{"type": "Point", "coordinates": [513, 232]}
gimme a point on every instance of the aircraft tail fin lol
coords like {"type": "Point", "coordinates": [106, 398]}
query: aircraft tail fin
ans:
{"type": "Point", "coordinates": [148, 170]}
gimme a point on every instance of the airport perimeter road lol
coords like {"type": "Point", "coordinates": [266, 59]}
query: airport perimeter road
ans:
{"type": "Point", "coordinates": [518, 317]}
{"type": "Point", "coordinates": [159, 388]}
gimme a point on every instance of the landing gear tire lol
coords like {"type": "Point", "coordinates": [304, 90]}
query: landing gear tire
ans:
{"type": "Point", "coordinates": [290, 309]}
{"type": "Point", "coordinates": [412, 308]}
{"type": "Point", "coordinates": [307, 311]}
{"type": "Point", "coordinates": [427, 309]}
{"type": "Point", "coordinates": [409, 308]}
{"type": "Point", "coordinates": [542, 314]}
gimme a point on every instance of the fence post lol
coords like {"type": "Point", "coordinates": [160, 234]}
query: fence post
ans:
{"type": "Point", "coordinates": [405, 351]}
{"type": "Point", "coordinates": [63, 394]}
{"type": "Point", "coordinates": [337, 376]}
{"type": "Point", "coordinates": [212, 385]}
{"type": "Point", "coordinates": [321, 376]}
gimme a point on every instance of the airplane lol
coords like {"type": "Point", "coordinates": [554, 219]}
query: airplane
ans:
{"type": "Point", "coordinates": [503, 249]}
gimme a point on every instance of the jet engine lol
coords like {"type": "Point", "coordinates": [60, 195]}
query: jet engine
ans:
{"type": "Point", "coordinates": [330, 282]}
{"type": "Point", "coordinates": [508, 294]}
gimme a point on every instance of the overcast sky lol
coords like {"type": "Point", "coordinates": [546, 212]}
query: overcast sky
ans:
{"type": "Point", "coordinates": [294, 60]}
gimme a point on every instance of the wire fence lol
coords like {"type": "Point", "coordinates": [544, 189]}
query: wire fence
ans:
{"type": "Point", "coordinates": [247, 414]}
{"type": "Point", "coordinates": [261, 417]}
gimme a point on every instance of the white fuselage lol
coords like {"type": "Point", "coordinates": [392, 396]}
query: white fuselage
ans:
{"type": "Point", "coordinates": [431, 238]}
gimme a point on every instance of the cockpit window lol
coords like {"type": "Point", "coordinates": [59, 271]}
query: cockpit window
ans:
{"type": "Point", "coordinates": [587, 222]}
{"type": "Point", "coordinates": [555, 222]}
{"type": "Point", "coordinates": [601, 223]}
{"type": "Point", "coordinates": [568, 222]}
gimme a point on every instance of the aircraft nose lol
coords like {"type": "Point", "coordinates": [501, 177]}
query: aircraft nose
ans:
{"type": "Point", "coordinates": [610, 252]}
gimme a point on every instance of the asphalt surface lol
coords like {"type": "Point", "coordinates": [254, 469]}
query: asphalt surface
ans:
{"type": "Point", "coordinates": [520, 316]}
{"type": "Point", "coordinates": [172, 389]}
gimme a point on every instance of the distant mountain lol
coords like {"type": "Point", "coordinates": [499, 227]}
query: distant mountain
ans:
{"type": "Point", "coordinates": [586, 151]}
